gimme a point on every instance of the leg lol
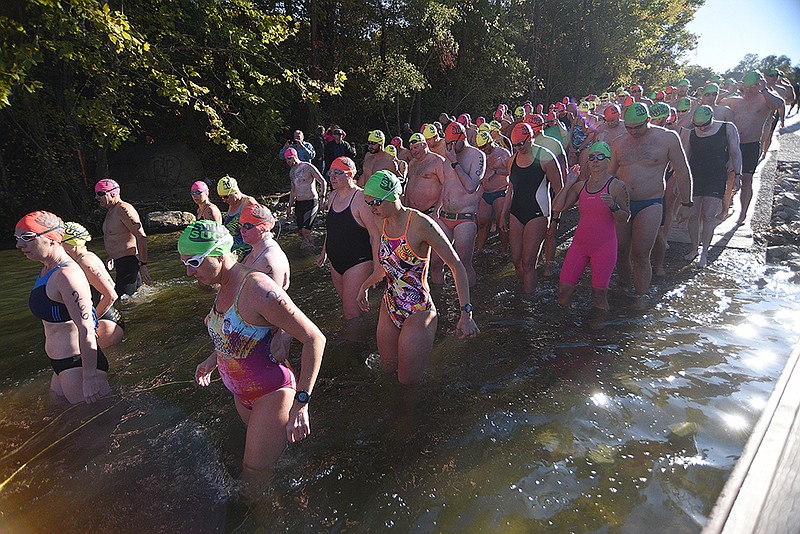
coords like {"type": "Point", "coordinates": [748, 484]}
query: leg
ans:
{"type": "Point", "coordinates": [464, 244]}
{"type": "Point", "coordinates": [624, 254]}
{"type": "Point", "coordinates": [728, 198]}
{"type": "Point", "coordinates": [415, 345]}
{"type": "Point", "coordinates": [643, 237]}
{"type": "Point", "coordinates": [498, 217]}
{"type": "Point", "coordinates": [565, 292]}
{"type": "Point", "coordinates": [549, 252]}
{"type": "Point", "coordinates": [484, 222]}
{"type": "Point", "coordinates": [70, 385]}
{"type": "Point", "coordinates": [338, 283]}
{"type": "Point", "coordinates": [515, 230]}
{"type": "Point", "coordinates": [388, 335]}
{"type": "Point", "coordinates": [532, 238]}
{"type": "Point", "coordinates": [693, 225]}
{"type": "Point", "coordinates": [600, 298]}
{"type": "Point", "coordinates": [745, 195]}
{"type": "Point", "coordinates": [109, 333]}
{"type": "Point", "coordinates": [351, 283]}
{"type": "Point", "coordinates": [266, 436]}
{"type": "Point", "coordinates": [709, 209]}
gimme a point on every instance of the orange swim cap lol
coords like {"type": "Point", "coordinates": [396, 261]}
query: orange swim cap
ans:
{"type": "Point", "coordinates": [455, 132]}
{"type": "Point", "coordinates": [343, 163]}
{"type": "Point", "coordinates": [521, 132]}
{"type": "Point", "coordinates": [43, 223]}
{"type": "Point", "coordinates": [257, 215]}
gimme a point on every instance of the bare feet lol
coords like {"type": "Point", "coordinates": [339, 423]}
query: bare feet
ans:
{"type": "Point", "coordinates": [691, 256]}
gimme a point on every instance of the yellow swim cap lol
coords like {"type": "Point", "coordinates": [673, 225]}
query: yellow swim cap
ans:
{"type": "Point", "coordinates": [391, 150]}
{"type": "Point", "coordinates": [430, 131]}
{"type": "Point", "coordinates": [495, 126]}
{"type": "Point", "coordinates": [376, 136]}
{"type": "Point", "coordinates": [483, 138]}
{"type": "Point", "coordinates": [75, 234]}
{"type": "Point", "coordinates": [227, 186]}
{"type": "Point", "coordinates": [519, 112]}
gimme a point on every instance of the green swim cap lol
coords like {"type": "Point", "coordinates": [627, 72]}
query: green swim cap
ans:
{"type": "Point", "coordinates": [636, 114]}
{"type": "Point", "coordinates": [702, 116]}
{"type": "Point", "coordinates": [730, 81]}
{"type": "Point", "coordinates": [75, 234]}
{"type": "Point", "coordinates": [659, 110]}
{"type": "Point", "coordinates": [752, 78]}
{"type": "Point", "coordinates": [711, 88]}
{"type": "Point", "coordinates": [684, 104]}
{"type": "Point", "coordinates": [200, 236]}
{"type": "Point", "coordinates": [684, 83]}
{"type": "Point", "coordinates": [716, 78]}
{"type": "Point", "coordinates": [600, 147]}
{"type": "Point", "coordinates": [384, 185]}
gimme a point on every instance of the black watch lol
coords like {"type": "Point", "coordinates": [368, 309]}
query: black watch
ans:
{"type": "Point", "coordinates": [454, 164]}
{"type": "Point", "coordinates": [142, 263]}
{"type": "Point", "coordinates": [616, 207]}
{"type": "Point", "coordinates": [467, 308]}
{"type": "Point", "coordinates": [302, 396]}
{"type": "Point", "coordinates": [687, 204]}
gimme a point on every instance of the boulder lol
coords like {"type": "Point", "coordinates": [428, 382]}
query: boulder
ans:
{"type": "Point", "coordinates": [168, 221]}
{"type": "Point", "coordinates": [790, 200]}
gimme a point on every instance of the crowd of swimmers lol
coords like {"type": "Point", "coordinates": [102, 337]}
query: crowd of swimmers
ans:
{"type": "Point", "coordinates": [631, 164]}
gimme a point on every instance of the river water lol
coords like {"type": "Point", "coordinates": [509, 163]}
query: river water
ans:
{"type": "Point", "coordinates": [549, 421]}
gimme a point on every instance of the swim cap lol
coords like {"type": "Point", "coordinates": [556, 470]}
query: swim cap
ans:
{"type": "Point", "coordinates": [455, 132]}
{"type": "Point", "coordinates": [636, 89]}
{"type": "Point", "coordinates": [684, 104]}
{"type": "Point", "coordinates": [498, 114]}
{"type": "Point", "coordinates": [495, 126]}
{"type": "Point", "coordinates": [710, 88]}
{"type": "Point", "coordinates": [290, 153]}
{"type": "Point", "coordinates": [628, 101]}
{"type": "Point", "coordinates": [343, 163]}
{"type": "Point", "coordinates": [660, 95]}
{"type": "Point", "coordinates": [416, 139]}
{"type": "Point", "coordinates": [636, 114]}
{"type": "Point", "coordinates": [519, 112]}
{"type": "Point", "coordinates": [396, 142]}
{"type": "Point", "coordinates": [376, 136]}
{"type": "Point", "coordinates": [75, 234]}
{"type": "Point", "coordinates": [673, 115]}
{"type": "Point", "coordinates": [227, 186]}
{"type": "Point", "coordinates": [483, 138]}
{"type": "Point", "coordinates": [702, 116]}
{"type": "Point", "coordinates": [536, 121]}
{"type": "Point", "coordinates": [504, 107]}
{"type": "Point", "coordinates": [200, 185]}
{"type": "Point", "coordinates": [528, 107]}
{"type": "Point", "coordinates": [600, 147]}
{"type": "Point", "coordinates": [752, 78]}
{"type": "Point", "coordinates": [430, 131]}
{"type": "Point", "coordinates": [383, 184]}
{"type": "Point", "coordinates": [257, 215]}
{"type": "Point", "coordinates": [44, 223]}
{"type": "Point", "coordinates": [560, 106]}
{"type": "Point", "coordinates": [611, 112]}
{"type": "Point", "coordinates": [106, 184]}
{"type": "Point", "coordinates": [485, 127]}
{"type": "Point", "coordinates": [584, 107]}
{"type": "Point", "coordinates": [621, 91]}
{"type": "Point", "coordinates": [463, 119]}
{"type": "Point", "coordinates": [480, 121]}
{"type": "Point", "coordinates": [684, 83]}
{"type": "Point", "coordinates": [204, 235]}
{"type": "Point", "coordinates": [391, 150]}
{"type": "Point", "coordinates": [521, 132]}
{"type": "Point", "coordinates": [730, 81]}
{"type": "Point", "coordinates": [551, 117]}
{"type": "Point", "coordinates": [716, 78]}
{"type": "Point", "coordinates": [669, 90]}
{"type": "Point", "coordinates": [659, 110]}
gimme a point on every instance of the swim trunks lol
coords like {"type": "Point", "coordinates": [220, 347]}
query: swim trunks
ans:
{"type": "Point", "coordinates": [750, 154]}
{"type": "Point", "coordinates": [639, 205]}
{"type": "Point", "coordinates": [708, 162]}
{"type": "Point", "coordinates": [531, 198]}
{"type": "Point", "coordinates": [347, 243]}
{"type": "Point", "coordinates": [244, 359]}
{"type": "Point", "coordinates": [490, 197]}
{"type": "Point", "coordinates": [305, 212]}
{"type": "Point", "coordinates": [128, 279]}
{"type": "Point", "coordinates": [113, 315]}
{"type": "Point", "coordinates": [406, 291]}
{"type": "Point", "coordinates": [63, 364]}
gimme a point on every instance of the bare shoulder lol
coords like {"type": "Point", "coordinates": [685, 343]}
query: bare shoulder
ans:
{"type": "Point", "coordinates": [435, 156]}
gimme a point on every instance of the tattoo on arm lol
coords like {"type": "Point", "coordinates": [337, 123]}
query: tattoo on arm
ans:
{"type": "Point", "coordinates": [81, 305]}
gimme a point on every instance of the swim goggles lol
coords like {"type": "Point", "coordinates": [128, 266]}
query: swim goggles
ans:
{"type": "Point", "coordinates": [598, 157]}
{"type": "Point", "coordinates": [197, 260]}
{"type": "Point", "coordinates": [378, 201]}
{"type": "Point", "coordinates": [27, 238]}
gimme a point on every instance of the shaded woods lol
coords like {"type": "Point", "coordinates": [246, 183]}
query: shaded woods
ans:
{"type": "Point", "coordinates": [79, 79]}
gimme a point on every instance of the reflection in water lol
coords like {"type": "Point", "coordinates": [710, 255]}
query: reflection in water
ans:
{"type": "Point", "coordinates": [549, 421]}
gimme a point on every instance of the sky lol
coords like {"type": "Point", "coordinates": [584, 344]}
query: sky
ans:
{"type": "Point", "coordinates": [729, 29]}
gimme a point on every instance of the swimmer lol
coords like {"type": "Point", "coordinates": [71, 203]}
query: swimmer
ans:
{"type": "Point", "coordinates": [205, 208]}
{"type": "Point", "coordinates": [256, 223]}
{"type": "Point", "coordinates": [124, 238]}
{"type": "Point", "coordinates": [61, 298]}
{"type": "Point", "coordinates": [351, 233]}
{"type": "Point", "coordinates": [408, 317]}
{"type": "Point", "coordinates": [110, 324]}
{"type": "Point", "coordinates": [602, 202]}
{"type": "Point", "coordinates": [434, 140]}
{"type": "Point", "coordinates": [494, 186]}
{"type": "Point", "coordinates": [402, 165]}
{"type": "Point", "coordinates": [303, 196]}
{"type": "Point", "coordinates": [376, 158]}
{"type": "Point", "coordinates": [425, 177]}
{"type": "Point", "coordinates": [246, 313]}
{"type": "Point", "coordinates": [228, 191]}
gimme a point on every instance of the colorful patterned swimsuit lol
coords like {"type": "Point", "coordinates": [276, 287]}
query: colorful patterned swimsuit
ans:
{"type": "Point", "coordinates": [406, 291]}
{"type": "Point", "coordinates": [244, 359]}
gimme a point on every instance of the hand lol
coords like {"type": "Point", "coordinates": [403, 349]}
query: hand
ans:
{"type": "Point", "coordinates": [92, 385]}
{"type": "Point", "coordinates": [297, 429]}
{"type": "Point", "coordinates": [737, 183]}
{"type": "Point", "coordinates": [573, 174]}
{"type": "Point", "coordinates": [280, 345]}
{"type": "Point", "coordinates": [322, 259]}
{"type": "Point", "coordinates": [466, 326]}
{"type": "Point", "coordinates": [607, 199]}
{"type": "Point", "coordinates": [203, 372]}
{"type": "Point", "coordinates": [504, 223]}
{"type": "Point", "coordinates": [145, 275]}
{"type": "Point", "coordinates": [552, 227]}
{"type": "Point", "coordinates": [450, 153]}
{"type": "Point", "coordinates": [363, 299]}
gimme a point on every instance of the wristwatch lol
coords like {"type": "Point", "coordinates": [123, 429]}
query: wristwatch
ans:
{"type": "Point", "coordinates": [467, 308]}
{"type": "Point", "coordinates": [616, 207]}
{"type": "Point", "coordinates": [453, 165]}
{"type": "Point", "coordinates": [302, 396]}
{"type": "Point", "coordinates": [687, 204]}
{"type": "Point", "coordinates": [142, 263]}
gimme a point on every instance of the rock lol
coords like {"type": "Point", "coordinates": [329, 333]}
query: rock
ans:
{"type": "Point", "coordinates": [780, 252]}
{"type": "Point", "coordinates": [790, 200]}
{"type": "Point", "coordinates": [167, 221]}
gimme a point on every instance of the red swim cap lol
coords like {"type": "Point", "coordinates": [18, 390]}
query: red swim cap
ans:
{"type": "Point", "coordinates": [396, 141]}
{"type": "Point", "coordinates": [455, 131]}
{"type": "Point", "coordinates": [43, 223]}
{"type": "Point", "coordinates": [498, 114]}
{"type": "Point", "coordinates": [611, 112]}
{"type": "Point", "coordinates": [521, 132]}
{"type": "Point", "coordinates": [479, 121]}
{"type": "Point", "coordinates": [551, 117]}
{"type": "Point", "coordinates": [257, 215]}
{"type": "Point", "coordinates": [536, 121]}
{"type": "Point", "coordinates": [343, 163]}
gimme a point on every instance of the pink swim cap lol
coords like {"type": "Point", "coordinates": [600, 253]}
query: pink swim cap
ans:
{"type": "Point", "coordinates": [200, 185]}
{"type": "Point", "coordinates": [396, 141]}
{"type": "Point", "coordinates": [290, 153]}
{"type": "Point", "coordinates": [498, 114]}
{"type": "Point", "coordinates": [106, 184]}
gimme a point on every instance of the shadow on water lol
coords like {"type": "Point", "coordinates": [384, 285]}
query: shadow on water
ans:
{"type": "Point", "coordinates": [549, 421]}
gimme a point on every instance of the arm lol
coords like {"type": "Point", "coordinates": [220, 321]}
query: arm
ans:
{"type": "Point", "coordinates": [568, 196]}
{"type": "Point", "coordinates": [618, 197]}
{"type": "Point", "coordinates": [734, 154]}
{"type": "Point", "coordinates": [292, 195]}
{"type": "Point", "coordinates": [553, 173]}
{"type": "Point", "coordinates": [677, 157]}
{"type": "Point", "coordinates": [216, 214]}
{"type": "Point", "coordinates": [134, 225]}
{"type": "Point", "coordinates": [99, 278]}
{"type": "Point", "coordinates": [320, 180]}
{"type": "Point", "coordinates": [73, 289]}
{"type": "Point", "coordinates": [509, 197]}
{"type": "Point", "coordinates": [377, 275]}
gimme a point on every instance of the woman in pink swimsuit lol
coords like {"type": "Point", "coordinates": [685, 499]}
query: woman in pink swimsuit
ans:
{"type": "Point", "coordinates": [602, 202]}
{"type": "Point", "coordinates": [408, 319]}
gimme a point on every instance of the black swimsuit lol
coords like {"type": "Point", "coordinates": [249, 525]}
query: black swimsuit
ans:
{"type": "Point", "coordinates": [347, 243]}
{"type": "Point", "coordinates": [531, 198]}
{"type": "Point", "coordinates": [708, 163]}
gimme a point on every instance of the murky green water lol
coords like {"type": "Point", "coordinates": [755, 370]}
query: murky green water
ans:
{"type": "Point", "coordinates": [548, 422]}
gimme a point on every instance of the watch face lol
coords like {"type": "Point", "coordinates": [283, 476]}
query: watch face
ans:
{"type": "Point", "coordinates": [302, 396]}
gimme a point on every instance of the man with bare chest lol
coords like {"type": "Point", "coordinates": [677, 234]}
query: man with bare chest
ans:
{"type": "Point", "coordinates": [493, 190]}
{"type": "Point", "coordinates": [463, 172]}
{"type": "Point", "coordinates": [124, 239]}
{"type": "Point", "coordinates": [435, 141]}
{"type": "Point", "coordinates": [750, 112]}
{"type": "Point", "coordinates": [303, 195]}
{"type": "Point", "coordinates": [640, 159]}
{"type": "Point", "coordinates": [376, 159]}
{"type": "Point", "coordinates": [425, 177]}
